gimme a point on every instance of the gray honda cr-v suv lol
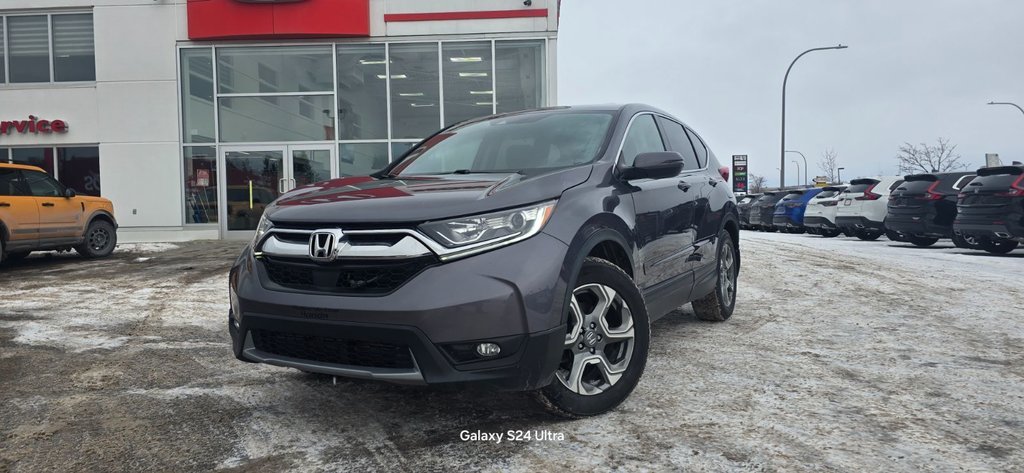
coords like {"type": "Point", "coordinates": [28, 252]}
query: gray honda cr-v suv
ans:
{"type": "Point", "coordinates": [524, 251]}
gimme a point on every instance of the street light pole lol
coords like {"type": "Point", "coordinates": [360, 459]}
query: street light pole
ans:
{"type": "Point", "coordinates": [785, 80]}
{"type": "Point", "coordinates": [797, 170]}
{"type": "Point", "coordinates": [805, 164]}
{"type": "Point", "coordinates": [1008, 103]}
{"type": "Point", "coordinates": [840, 176]}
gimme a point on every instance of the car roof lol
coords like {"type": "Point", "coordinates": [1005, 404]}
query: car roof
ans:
{"type": "Point", "coordinates": [22, 167]}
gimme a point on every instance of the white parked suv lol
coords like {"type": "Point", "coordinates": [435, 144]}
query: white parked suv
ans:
{"type": "Point", "coordinates": [864, 204]}
{"type": "Point", "coordinates": [820, 216]}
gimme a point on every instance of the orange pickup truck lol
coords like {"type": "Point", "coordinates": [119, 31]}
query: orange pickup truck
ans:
{"type": "Point", "coordinates": [39, 213]}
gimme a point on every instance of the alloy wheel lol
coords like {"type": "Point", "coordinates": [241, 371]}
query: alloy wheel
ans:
{"type": "Point", "coordinates": [599, 340]}
{"type": "Point", "coordinates": [727, 273]}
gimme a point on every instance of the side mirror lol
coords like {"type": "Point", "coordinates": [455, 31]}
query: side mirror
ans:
{"type": "Point", "coordinates": [69, 193]}
{"type": "Point", "coordinates": [655, 165]}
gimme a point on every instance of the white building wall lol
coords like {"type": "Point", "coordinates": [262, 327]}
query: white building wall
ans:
{"type": "Point", "coordinates": [132, 112]}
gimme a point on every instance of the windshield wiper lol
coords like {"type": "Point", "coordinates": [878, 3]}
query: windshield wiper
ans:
{"type": "Point", "coordinates": [470, 171]}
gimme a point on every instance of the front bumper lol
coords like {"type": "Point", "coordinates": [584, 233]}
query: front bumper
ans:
{"type": "Point", "coordinates": [859, 223]}
{"type": "Point", "coordinates": [425, 331]}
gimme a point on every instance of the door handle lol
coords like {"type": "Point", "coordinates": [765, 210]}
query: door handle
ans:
{"type": "Point", "coordinates": [280, 185]}
{"type": "Point", "coordinates": [5, 204]}
{"type": "Point", "coordinates": [683, 186]}
{"type": "Point", "coordinates": [47, 204]}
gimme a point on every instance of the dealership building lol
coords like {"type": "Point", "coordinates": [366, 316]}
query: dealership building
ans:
{"type": "Point", "coordinates": [192, 115]}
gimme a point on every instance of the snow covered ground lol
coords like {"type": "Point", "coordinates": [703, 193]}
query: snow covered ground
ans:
{"type": "Point", "coordinates": [842, 355]}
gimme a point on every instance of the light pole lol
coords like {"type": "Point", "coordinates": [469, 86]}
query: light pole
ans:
{"type": "Point", "coordinates": [1008, 103]}
{"type": "Point", "coordinates": [805, 164]}
{"type": "Point", "coordinates": [782, 153]}
{"type": "Point", "coordinates": [840, 176]}
{"type": "Point", "coordinates": [797, 170]}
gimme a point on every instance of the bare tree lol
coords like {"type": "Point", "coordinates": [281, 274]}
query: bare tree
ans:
{"type": "Point", "coordinates": [829, 164]}
{"type": "Point", "coordinates": [757, 183]}
{"type": "Point", "coordinates": [940, 157]}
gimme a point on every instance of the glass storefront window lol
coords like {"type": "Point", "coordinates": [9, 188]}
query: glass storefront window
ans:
{"type": "Point", "coordinates": [79, 169]}
{"type": "Point", "coordinates": [201, 184]}
{"type": "Point", "coordinates": [415, 112]}
{"type": "Point", "coordinates": [28, 48]}
{"type": "Point", "coordinates": [519, 67]}
{"type": "Point", "coordinates": [467, 80]}
{"type": "Point", "coordinates": [39, 157]}
{"type": "Point", "coordinates": [275, 69]}
{"type": "Point", "coordinates": [362, 94]}
{"type": "Point", "coordinates": [286, 118]}
{"type": "Point", "coordinates": [252, 184]}
{"type": "Point", "coordinates": [197, 95]}
{"type": "Point", "coordinates": [74, 51]}
{"type": "Point", "coordinates": [360, 159]}
{"type": "Point", "coordinates": [310, 165]}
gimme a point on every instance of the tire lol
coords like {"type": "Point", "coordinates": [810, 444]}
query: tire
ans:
{"type": "Point", "coordinates": [830, 233]}
{"type": "Point", "coordinates": [848, 232]}
{"type": "Point", "coordinates": [868, 236]}
{"type": "Point", "coordinates": [998, 247]}
{"type": "Point", "coordinates": [605, 370]}
{"type": "Point", "coordinates": [966, 241]}
{"type": "Point", "coordinates": [893, 235]}
{"type": "Point", "coordinates": [922, 242]}
{"type": "Point", "coordinates": [100, 240]}
{"type": "Point", "coordinates": [720, 303]}
{"type": "Point", "coordinates": [2, 249]}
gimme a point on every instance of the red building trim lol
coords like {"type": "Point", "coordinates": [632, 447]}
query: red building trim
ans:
{"type": "Point", "coordinates": [467, 15]}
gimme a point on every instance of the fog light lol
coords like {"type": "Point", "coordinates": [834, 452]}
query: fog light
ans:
{"type": "Point", "coordinates": [488, 349]}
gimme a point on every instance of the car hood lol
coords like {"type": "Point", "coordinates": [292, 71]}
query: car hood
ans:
{"type": "Point", "coordinates": [368, 200]}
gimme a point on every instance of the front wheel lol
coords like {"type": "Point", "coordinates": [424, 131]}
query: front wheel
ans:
{"type": "Point", "coordinates": [998, 247]}
{"type": "Point", "coordinates": [719, 304]}
{"type": "Point", "coordinates": [606, 342]}
{"type": "Point", "coordinates": [100, 240]}
{"type": "Point", "coordinates": [966, 241]}
{"type": "Point", "coordinates": [830, 233]}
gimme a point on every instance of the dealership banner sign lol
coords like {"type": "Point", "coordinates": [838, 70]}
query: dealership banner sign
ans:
{"type": "Point", "coordinates": [33, 125]}
{"type": "Point", "coordinates": [739, 173]}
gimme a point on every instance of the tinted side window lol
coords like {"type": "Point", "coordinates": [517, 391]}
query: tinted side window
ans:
{"type": "Point", "coordinates": [11, 183]}
{"type": "Point", "coordinates": [643, 137]}
{"type": "Point", "coordinates": [675, 135]}
{"type": "Point", "coordinates": [42, 185]}
{"type": "Point", "coordinates": [702, 150]}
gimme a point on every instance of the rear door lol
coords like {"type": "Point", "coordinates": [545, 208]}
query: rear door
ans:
{"type": "Point", "coordinates": [18, 210]}
{"type": "Point", "coordinates": [59, 216]}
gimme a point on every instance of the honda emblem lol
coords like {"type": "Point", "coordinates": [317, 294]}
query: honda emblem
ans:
{"type": "Point", "coordinates": [323, 245]}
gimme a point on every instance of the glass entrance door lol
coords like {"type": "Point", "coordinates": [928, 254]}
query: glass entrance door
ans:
{"type": "Point", "coordinates": [257, 175]}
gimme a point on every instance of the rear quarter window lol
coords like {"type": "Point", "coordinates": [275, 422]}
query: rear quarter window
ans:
{"type": "Point", "coordinates": [962, 182]}
{"type": "Point", "coordinates": [897, 184]}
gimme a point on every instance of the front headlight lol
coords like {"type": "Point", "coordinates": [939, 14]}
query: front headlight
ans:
{"type": "Point", "coordinates": [490, 230]}
{"type": "Point", "coordinates": [261, 229]}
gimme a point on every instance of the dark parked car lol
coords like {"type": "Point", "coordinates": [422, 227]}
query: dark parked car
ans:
{"type": "Point", "coordinates": [789, 212]}
{"type": "Point", "coordinates": [922, 209]}
{"type": "Point", "coordinates": [763, 211]}
{"type": "Point", "coordinates": [991, 209]}
{"type": "Point", "coordinates": [743, 206]}
{"type": "Point", "coordinates": [524, 251]}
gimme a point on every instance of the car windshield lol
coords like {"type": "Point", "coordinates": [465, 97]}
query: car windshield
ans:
{"type": "Point", "coordinates": [746, 200]}
{"type": "Point", "coordinates": [855, 188]}
{"type": "Point", "coordinates": [826, 194]}
{"type": "Point", "coordinates": [793, 196]}
{"type": "Point", "coordinates": [526, 143]}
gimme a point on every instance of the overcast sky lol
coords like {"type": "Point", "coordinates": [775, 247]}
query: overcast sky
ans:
{"type": "Point", "coordinates": [915, 70]}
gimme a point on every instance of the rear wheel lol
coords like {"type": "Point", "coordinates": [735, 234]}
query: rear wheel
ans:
{"type": "Point", "coordinates": [893, 235]}
{"type": "Point", "coordinates": [922, 241]}
{"type": "Point", "coordinates": [867, 235]}
{"type": "Point", "coordinates": [100, 240]}
{"type": "Point", "coordinates": [719, 304]}
{"type": "Point", "coordinates": [606, 343]}
{"type": "Point", "coordinates": [830, 233]}
{"type": "Point", "coordinates": [998, 247]}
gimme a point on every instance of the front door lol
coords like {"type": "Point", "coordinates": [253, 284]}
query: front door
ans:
{"type": "Point", "coordinates": [254, 176]}
{"type": "Point", "coordinates": [59, 216]}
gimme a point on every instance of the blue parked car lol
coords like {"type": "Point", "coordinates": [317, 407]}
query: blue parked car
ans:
{"type": "Point", "coordinates": [789, 212]}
